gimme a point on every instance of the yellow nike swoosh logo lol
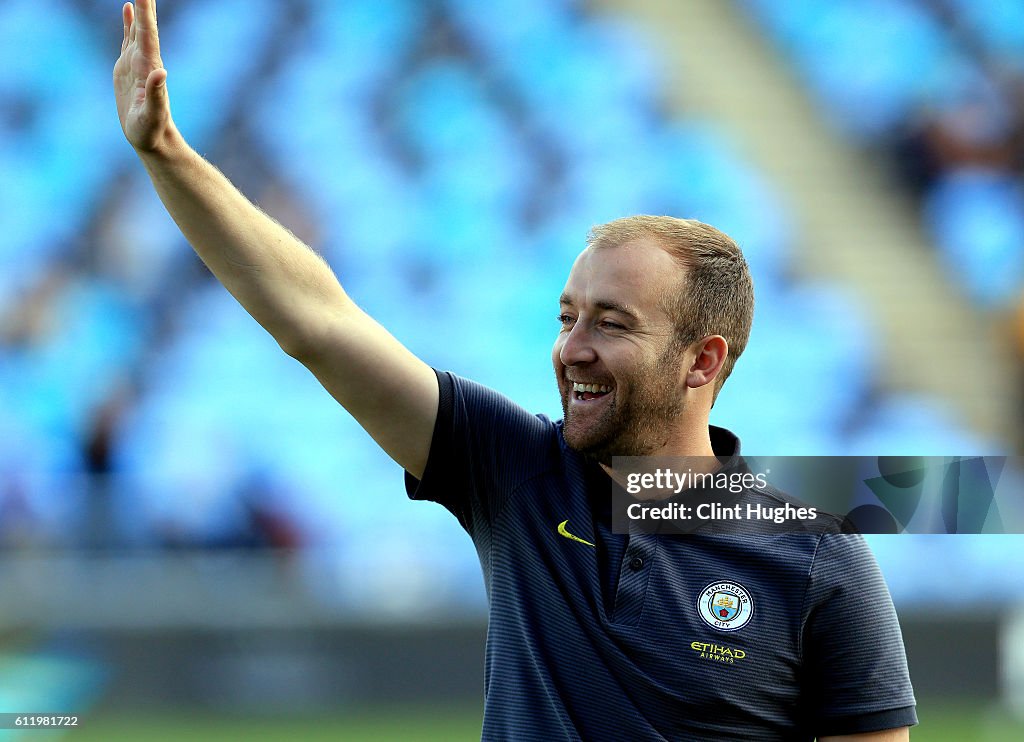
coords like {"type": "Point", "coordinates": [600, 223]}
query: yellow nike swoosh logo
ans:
{"type": "Point", "coordinates": [563, 532]}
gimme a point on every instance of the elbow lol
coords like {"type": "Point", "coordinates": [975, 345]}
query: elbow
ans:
{"type": "Point", "coordinates": [307, 340]}
{"type": "Point", "coordinates": [298, 346]}
{"type": "Point", "coordinates": [309, 337]}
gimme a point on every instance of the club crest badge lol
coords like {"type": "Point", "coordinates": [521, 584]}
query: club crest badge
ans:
{"type": "Point", "coordinates": [725, 606]}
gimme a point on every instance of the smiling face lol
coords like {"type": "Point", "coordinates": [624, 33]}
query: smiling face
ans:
{"type": "Point", "coordinates": [621, 375]}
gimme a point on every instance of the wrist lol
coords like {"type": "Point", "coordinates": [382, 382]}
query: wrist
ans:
{"type": "Point", "coordinates": [169, 145]}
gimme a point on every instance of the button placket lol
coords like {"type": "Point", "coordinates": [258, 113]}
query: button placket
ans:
{"type": "Point", "coordinates": [634, 572]}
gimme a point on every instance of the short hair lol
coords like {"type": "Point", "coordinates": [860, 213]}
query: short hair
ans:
{"type": "Point", "coordinates": [716, 296]}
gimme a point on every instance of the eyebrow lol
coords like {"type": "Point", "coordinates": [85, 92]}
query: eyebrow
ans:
{"type": "Point", "coordinates": [606, 304]}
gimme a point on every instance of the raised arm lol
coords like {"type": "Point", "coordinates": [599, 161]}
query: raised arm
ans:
{"type": "Point", "coordinates": [280, 281]}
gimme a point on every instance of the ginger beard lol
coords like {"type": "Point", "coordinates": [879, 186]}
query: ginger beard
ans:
{"type": "Point", "coordinates": [635, 418]}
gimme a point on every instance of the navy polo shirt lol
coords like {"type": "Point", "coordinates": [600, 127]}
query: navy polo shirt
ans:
{"type": "Point", "coordinates": [600, 636]}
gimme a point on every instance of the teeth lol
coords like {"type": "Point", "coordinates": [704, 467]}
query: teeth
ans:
{"type": "Point", "coordinates": [592, 388]}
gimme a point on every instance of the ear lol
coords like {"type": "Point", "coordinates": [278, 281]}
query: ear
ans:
{"type": "Point", "coordinates": [710, 354]}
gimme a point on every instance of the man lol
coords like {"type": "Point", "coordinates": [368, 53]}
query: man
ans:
{"type": "Point", "coordinates": [592, 634]}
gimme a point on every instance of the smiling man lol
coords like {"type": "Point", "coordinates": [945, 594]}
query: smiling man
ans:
{"type": "Point", "coordinates": [684, 282]}
{"type": "Point", "coordinates": [593, 634]}
{"type": "Point", "coordinates": [641, 635]}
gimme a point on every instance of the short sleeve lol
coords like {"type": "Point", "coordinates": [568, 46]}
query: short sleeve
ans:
{"type": "Point", "coordinates": [856, 678]}
{"type": "Point", "coordinates": [483, 446]}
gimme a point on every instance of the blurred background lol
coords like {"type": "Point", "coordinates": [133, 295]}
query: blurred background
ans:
{"type": "Point", "coordinates": [196, 540]}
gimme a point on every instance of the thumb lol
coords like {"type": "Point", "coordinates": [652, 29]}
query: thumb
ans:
{"type": "Point", "coordinates": [156, 87]}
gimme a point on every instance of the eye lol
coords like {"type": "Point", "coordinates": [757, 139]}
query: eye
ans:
{"type": "Point", "coordinates": [565, 319]}
{"type": "Point", "coordinates": [612, 325]}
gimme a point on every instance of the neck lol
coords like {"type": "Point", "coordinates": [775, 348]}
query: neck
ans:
{"type": "Point", "coordinates": [692, 447]}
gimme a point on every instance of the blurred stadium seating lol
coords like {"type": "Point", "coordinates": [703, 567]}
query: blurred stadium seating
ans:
{"type": "Point", "coordinates": [369, 131]}
{"type": "Point", "coordinates": [940, 86]}
{"type": "Point", "coordinates": [448, 166]}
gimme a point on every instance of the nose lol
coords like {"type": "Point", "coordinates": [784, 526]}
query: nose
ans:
{"type": "Point", "coordinates": [577, 346]}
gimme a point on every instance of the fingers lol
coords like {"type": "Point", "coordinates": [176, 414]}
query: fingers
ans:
{"type": "Point", "coordinates": [140, 17]}
{"type": "Point", "coordinates": [146, 23]}
{"type": "Point", "coordinates": [126, 18]}
{"type": "Point", "coordinates": [147, 14]}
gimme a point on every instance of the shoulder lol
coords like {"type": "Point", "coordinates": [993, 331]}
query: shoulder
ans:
{"type": "Point", "coordinates": [495, 427]}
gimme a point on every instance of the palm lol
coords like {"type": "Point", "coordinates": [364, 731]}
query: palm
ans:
{"type": "Point", "coordinates": [142, 118]}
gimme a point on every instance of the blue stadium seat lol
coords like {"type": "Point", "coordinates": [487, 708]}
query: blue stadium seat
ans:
{"type": "Point", "coordinates": [210, 52]}
{"type": "Point", "coordinates": [520, 20]}
{"type": "Point", "coordinates": [913, 425]}
{"type": "Point", "coordinates": [999, 24]}
{"type": "Point", "coordinates": [870, 63]}
{"type": "Point", "coordinates": [51, 173]}
{"type": "Point", "coordinates": [363, 40]}
{"type": "Point", "coordinates": [977, 219]}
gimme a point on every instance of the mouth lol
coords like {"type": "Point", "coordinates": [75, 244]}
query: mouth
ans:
{"type": "Point", "coordinates": [589, 392]}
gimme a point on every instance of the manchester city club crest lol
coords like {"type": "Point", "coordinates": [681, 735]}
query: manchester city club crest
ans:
{"type": "Point", "coordinates": [725, 605]}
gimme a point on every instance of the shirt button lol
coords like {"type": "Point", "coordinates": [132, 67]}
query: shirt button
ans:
{"type": "Point", "coordinates": [636, 563]}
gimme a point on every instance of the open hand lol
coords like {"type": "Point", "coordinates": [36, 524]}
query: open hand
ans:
{"type": "Point", "coordinates": [140, 79]}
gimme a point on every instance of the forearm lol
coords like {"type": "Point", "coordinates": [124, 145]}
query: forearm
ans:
{"type": "Point", "coordinates": [280, 281]}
